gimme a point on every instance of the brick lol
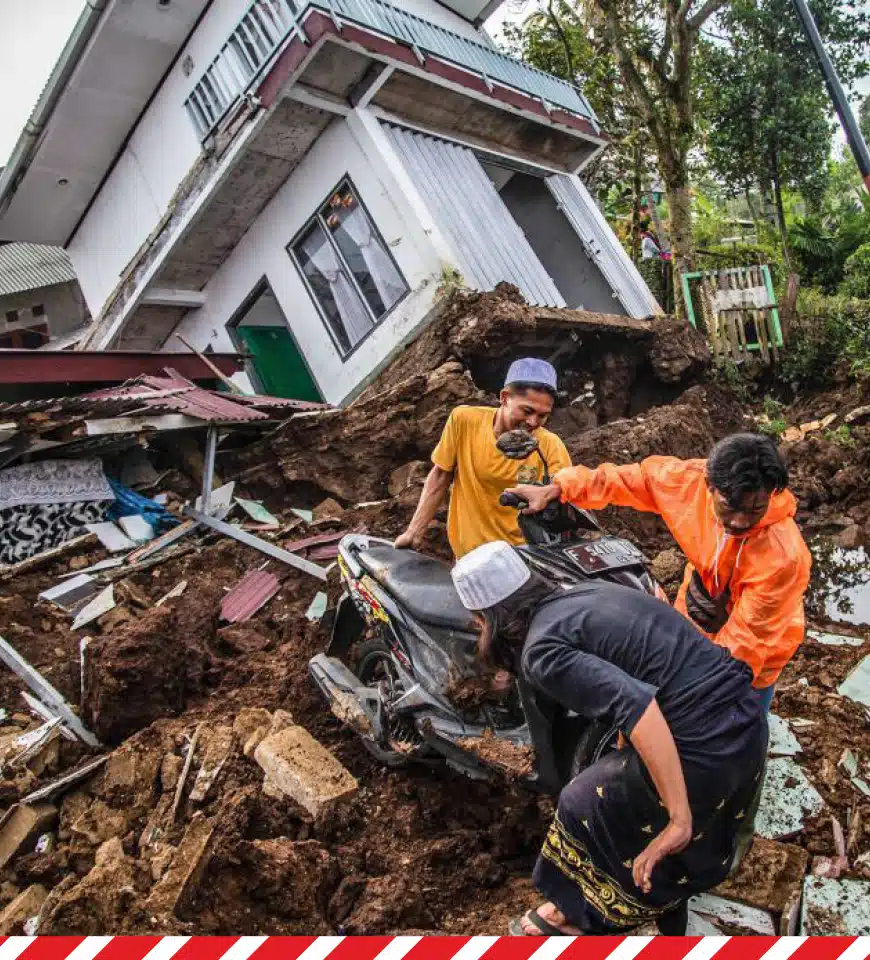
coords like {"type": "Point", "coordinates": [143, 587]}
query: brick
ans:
{"type": "Point", "coordinates": [22, 908]}
{"type": "Point", "coordinates": [21, 825]}
{"type": "Point", "coordinates": [299, 767]}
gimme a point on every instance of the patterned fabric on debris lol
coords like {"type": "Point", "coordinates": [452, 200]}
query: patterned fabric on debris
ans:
{"type": "Point", "coordinates": [29, 529]}
{"type": "Point", "coordinates": [52, 482]}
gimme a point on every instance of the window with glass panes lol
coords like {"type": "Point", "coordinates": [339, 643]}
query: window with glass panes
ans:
{"type": "Point", "coordinates": [348, 268]}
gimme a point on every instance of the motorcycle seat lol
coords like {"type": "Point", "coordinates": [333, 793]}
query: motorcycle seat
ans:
{"type": "Point", "coordinates": [421, 584]}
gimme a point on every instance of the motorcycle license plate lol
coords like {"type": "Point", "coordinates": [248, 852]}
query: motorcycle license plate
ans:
{"type": "Point", "coordinates": [605, 554]}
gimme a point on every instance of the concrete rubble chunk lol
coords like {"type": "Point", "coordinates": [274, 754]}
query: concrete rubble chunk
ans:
{"type": "Point", "coordinates": [783, 743]}
{"type": "Point", "coordinates": [101, 901]}
{"type": "Point", "coordinates": [786, 800]}
{"type": "Point", "coordinates": [21, 909]}
{"type": "Point", "coordinates": [185, 871]}
{"type": "Point", "coordinates": [250, 726]}
{"type": "Point", "coordinates": [835, 907]}
{"type": "Point", "coordinates": [728, 916]}
{"type": "Point", "coordinates": [856, 686]}
{"type": "Point", "coordinates": [21, 825]}
{"type": "Point", "coordinates": [99, 823]}
{"type": "Point", "coordinates": [329, 509]}
{"type": "Point", "coordinates": [299, 767]}
{"type": "Point", "coordinates": [219, 743]}
{"type": "Point", "coordinates": [769, 876]}
{"type": "Point", "coordinates": [170, 771]}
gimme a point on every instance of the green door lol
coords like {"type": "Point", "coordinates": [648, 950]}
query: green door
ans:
{"type": "Point", "coordinates": [278, 363]}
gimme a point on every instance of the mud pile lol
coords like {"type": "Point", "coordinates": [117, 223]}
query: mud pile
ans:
{"type": "Point", "coordinates": [180, 831]}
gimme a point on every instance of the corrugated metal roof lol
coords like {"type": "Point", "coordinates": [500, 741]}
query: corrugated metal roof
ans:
{"type": "Point", "coordinates": [248, 595]}
{"type": "Point", "coordinates": [30, 266]}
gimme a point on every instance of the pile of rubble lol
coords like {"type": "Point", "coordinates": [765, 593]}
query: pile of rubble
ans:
{"type": "Point", "coordinates": [181, 773]}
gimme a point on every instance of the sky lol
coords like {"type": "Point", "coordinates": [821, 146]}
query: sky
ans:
{"type": "Point", "coordinates": [34, 32]}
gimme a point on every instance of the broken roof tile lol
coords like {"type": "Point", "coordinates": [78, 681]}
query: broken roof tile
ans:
{"type": "Point", "coordinates": [248, 596]}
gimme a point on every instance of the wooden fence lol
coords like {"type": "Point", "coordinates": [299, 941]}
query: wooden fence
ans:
{"type": "Point", "coordinates": [738, 311]}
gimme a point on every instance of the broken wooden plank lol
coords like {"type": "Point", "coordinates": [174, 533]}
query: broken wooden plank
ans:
{"type": "Point", "coordinates": [13, 569]}
{"type": "Point", "coordinates": [176, 591]}
{"type": "Point", "coordinates": [45, 691]}
{"type": "Point", "coordinates": [66, 782]}
{"type": "Point", "coordinates": [188, 761]}
{"type": "Point", "coordinates": [263, 546]}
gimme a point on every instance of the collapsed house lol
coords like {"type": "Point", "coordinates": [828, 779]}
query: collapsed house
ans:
{"type": "Point", "coordinates": [172, 769]}
{"type": "Point", "coordinates": [303, 183]}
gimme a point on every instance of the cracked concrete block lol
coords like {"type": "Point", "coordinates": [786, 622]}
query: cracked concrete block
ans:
{"type": "Point", "coordinates": [21, 909]}
{"type": "Point", "coordinates": [21, 825]}
{"type": "Point", "coordinates": [301, 768]}
{"type": "Point", "coordinates": [248, 723]}
{"type": "Point", "coordinates": [185, 871]}
{"type": "Point", "coordinates": [787, 799]}
{"type": "Point", "coordinates": [835, 908]}
{"type": "Point", "coordinates": [99, 823]}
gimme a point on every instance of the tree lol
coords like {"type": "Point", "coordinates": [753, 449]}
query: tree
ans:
{"type": "Point", "coordinates": [864, 117]}
{"type": "Point", "coordinates": [641, 58]}
{"type": "Point", "coordinates": [764, 106]}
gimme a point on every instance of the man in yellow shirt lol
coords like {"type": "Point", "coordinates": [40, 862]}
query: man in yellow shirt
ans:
{"type": "Point", "coordinates": [467, 458]}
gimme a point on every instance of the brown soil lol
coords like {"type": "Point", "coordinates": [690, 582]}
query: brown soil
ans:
{"type": "Point", "coordinates": [511, 758]}
{"type": "Point", "coordinates": [415, 850]}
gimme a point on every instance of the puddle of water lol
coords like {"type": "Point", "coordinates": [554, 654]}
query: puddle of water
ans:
{"type": "Point", "coordinates": [840, 582]}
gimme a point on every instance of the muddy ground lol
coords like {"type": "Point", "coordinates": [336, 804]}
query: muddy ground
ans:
{"type": "Point", "coordinates": [414, 850]}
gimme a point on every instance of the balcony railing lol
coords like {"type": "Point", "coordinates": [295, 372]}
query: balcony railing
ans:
{"type": "Point", "coordinates": [268, 23]}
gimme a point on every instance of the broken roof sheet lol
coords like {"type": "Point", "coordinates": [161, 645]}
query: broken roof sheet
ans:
{"type": "Point", "coordinates": [248, 595]}
{"type": "Point", "coordinates": [180, 395]}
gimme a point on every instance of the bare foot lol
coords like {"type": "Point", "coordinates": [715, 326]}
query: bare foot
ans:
{"type": "Point", "coordinates": [550, 913]}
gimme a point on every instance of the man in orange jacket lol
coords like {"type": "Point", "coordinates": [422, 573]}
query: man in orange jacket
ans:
{"type": "Point", "coordinates": [733, 518]}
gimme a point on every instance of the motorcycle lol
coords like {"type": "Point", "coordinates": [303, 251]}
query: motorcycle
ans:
{"type": "Point", "coordinates": [401, 668]}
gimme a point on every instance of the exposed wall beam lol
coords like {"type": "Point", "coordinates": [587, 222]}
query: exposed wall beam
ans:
{"type": "Point", "coordinates": [167, 297]}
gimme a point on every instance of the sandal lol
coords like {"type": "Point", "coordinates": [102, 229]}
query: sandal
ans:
{"type": "Point", "coordinates": [515, 927]}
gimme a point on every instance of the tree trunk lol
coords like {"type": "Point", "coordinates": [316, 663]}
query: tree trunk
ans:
{"type": "Point", "coordinates": [752, 211]}
{"type": "Point", "coordinates": [636, 197]}
{"type": "Point", "coordinates": [682, 241]}
{"type": "Point", "coordinates": [780, 210]}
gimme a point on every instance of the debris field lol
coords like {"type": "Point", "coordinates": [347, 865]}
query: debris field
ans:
{"type": "Point", "coordinates": [225, 798]}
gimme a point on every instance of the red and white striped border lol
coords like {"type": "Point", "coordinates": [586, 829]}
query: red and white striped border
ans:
{"type": "Point", "coordinates": [434, 948]}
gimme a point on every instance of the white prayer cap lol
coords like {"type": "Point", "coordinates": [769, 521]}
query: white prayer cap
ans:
{"type": "Point", "coordinates": [489, 574]}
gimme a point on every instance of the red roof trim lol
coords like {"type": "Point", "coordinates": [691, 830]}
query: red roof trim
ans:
{"type": "Point", "coordinates": [74, 366]}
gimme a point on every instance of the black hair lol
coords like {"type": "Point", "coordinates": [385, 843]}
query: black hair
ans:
{"type": "Point", "coordinates": [504, 626]}
{"type": "Point", "coordinates": [523, 386]}
{"type": "Point", "coordinates": [745, 463]}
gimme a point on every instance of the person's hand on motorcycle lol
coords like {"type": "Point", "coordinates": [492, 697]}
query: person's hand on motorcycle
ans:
{"type": "Point", "coordinates": [410, 540]}
{"type": "Point", "coordinates": [674, 838]}
{"type": "Point", "coordinates": [537, 497]}
{"type": "Point", "coordinates": [709, 613]}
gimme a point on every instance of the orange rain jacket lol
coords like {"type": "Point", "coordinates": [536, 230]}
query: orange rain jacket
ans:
{"type": "Point", "coordinates": [767, 571]}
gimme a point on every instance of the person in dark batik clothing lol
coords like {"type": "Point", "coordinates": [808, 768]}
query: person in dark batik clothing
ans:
{"type": "Point", "coordinates": [651, 823]}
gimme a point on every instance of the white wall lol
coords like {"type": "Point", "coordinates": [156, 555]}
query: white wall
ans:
{"type": "Point", "coordinates": [342, 150]}
{"type": "Point", "coordinates": [162, 150]}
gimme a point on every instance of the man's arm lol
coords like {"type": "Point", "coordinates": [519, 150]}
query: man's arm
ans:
{"type": "Point", "coordinates": [434, 490]}
{"type": "Point", "coordinates": [631, 485]}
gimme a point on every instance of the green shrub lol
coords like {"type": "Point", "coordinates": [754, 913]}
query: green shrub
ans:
{"type": "Point", "coordinates": [856, 281]}
{"type": "Point", "coordinates": [841, 436]}
{"type": "Point", "coordinates": [826, 331]}
{"type": "Point", "coordinates": [775, 428]}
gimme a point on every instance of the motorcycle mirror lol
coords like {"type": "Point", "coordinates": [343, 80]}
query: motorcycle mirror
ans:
{"type": "Point", "coordinates": [517, 444]}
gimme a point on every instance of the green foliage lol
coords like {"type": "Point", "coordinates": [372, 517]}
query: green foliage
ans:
{"type": "Point", "coordinates": [842, 436]}
{"type": "Point", "coordinates": [775, 428]}
{"type": "Point", "coordinates": [772, 408]}
{"type": "Point", "coordinates": [864, 117]}
{"type": "Point", "coordinates": [857, 273]}
{"type": "Point", "coordinates": [829, 334]}
{"type": "Point", "coordinates": [728, 373]}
